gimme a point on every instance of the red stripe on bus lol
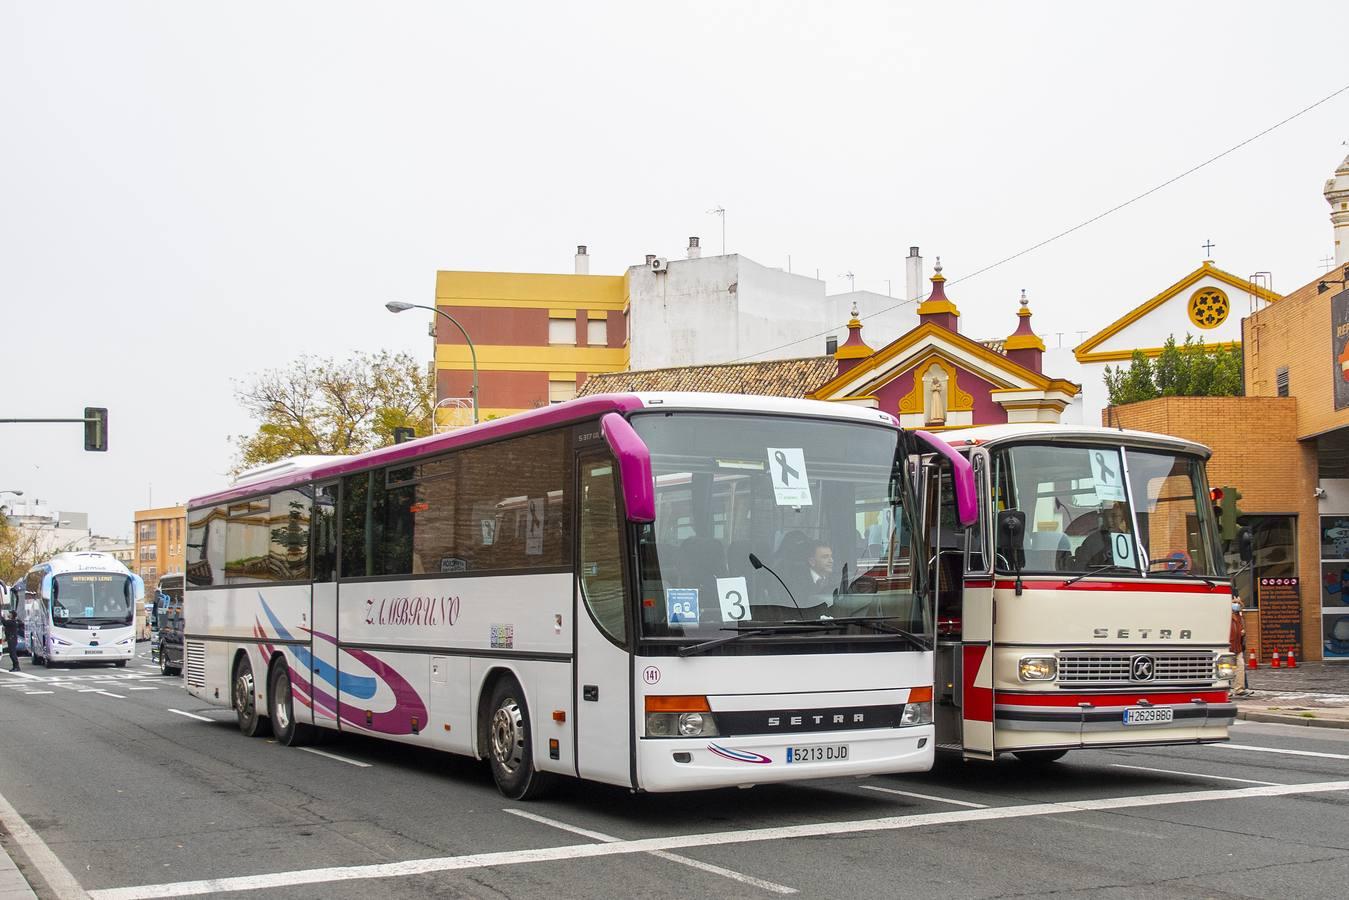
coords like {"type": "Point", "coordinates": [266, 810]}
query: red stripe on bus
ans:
{"type": "Point", "coordinates": [1156, 698]}
{"type": "Point", "coordinates": [1172, 587]}
{"type": "Point", "coordinates": [978, 700]}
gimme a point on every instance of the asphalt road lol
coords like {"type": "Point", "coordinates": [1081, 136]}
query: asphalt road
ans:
{"type": "Point", "coordinates": [135, 798]}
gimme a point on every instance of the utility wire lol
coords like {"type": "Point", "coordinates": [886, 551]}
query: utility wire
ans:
{"type": "Point", "coordinates": [1080, 225]}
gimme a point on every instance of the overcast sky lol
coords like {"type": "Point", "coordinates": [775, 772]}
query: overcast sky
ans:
{"type": "Point", "coordinates": [191, 192]}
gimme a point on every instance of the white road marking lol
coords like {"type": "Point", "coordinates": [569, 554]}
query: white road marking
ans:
{"type": "Point", "coordinates": [886, 790]}
{"type": "Point", "coordinates": [684, 841]}
{"type": "Point", "coordinates": [1276, 750]}
{"type": "Point", "coordinates": [35, 693]}
{"type": "Point", "coordinates": [350, 762]}
{"type": "Point", "coordinates": [17, 674]}
{"type": "Point", "coordinates": [191, 715]}
{"type": "Point", "coordinates": [669, 857]}
{"type": "Point", "coordinates": [140, 689]}
{"type": "Point", "coordinates": [1191, 774]}
{"type": "Point", "coordinates": [101, 691]}
{"type": "Point", "coordinates": [57, 876]}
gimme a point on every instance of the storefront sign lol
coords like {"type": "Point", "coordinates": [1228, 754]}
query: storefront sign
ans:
{"type": "Point", "coordinates": [1339, 346]}
{"type": "Point", "coordinates": [1280, 616]}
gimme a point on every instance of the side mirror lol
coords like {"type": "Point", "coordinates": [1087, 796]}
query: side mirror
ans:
{"type": "Point", "coordinates": [1011, 532]}
{"type": "Point", "coordinates": [1246, 545]}
{"type": "Point", "coordinates": [634, 467]}
{"type": "Point", "coordinates": [962, 478]}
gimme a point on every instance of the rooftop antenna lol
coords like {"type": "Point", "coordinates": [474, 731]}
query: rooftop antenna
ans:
{"type": "Point", "coordinates": [721, 211]}
{"type": "Point", "coordinates": [1327, 263]}
{"type": "Point", "coordinates": [851, 280]}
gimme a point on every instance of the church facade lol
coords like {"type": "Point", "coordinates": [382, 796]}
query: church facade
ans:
{"type": "Point", "coordinates": [935, 377]}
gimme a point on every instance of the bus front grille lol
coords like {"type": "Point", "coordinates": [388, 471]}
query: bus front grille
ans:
{"type": "Point", "coordinates": [194, 663]}
{"type": "Point", "coordinates": [1170, 667]}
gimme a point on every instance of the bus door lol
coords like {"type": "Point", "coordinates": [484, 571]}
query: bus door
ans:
{"type": "Point", "coordinates": [323, 604]}
{"type": "Point", "coordinates": [602, 667]}
{"type": "Point", "coordinates": [965, 618]}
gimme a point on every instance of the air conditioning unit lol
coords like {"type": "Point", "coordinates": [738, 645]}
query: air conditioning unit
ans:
{"type": "Point", "coordinates": [660, 264]}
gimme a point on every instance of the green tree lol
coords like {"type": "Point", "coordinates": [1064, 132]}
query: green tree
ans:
{"type": "Point", "coordinates": [329, 406]}
{"type": "Point", "coordinates": [1191, 369]}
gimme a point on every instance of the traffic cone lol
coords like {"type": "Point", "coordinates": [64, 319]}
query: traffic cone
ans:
{"type": "Point", "coordinates": [1274, 661]}
{"type": "Point", "coordinates": [1252, 661]}
{"type": "Point", "coordinates": [1291, 659]}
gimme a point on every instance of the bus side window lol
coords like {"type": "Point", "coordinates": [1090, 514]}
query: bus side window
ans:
{"type": "Point", "coordinates": [601, 563]}
{"type": "Point", "coordinates": [324, 533]}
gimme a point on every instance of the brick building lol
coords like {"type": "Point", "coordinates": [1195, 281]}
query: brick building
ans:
{"type": "Point", "coordinates": [159, 535]}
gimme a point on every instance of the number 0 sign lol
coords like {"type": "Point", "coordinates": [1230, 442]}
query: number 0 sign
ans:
{"type": "Point", "coordinates": [733, 595]}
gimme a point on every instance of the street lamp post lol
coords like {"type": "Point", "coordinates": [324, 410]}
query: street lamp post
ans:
{"type": "Point", "coordinates": [397, 306]}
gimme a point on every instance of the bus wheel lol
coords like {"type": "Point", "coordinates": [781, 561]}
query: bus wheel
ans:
{"type": "Point", "coordinates": [287, 730]}
{"type": "Point", "coordinates": [1040, 757]}
{"type": "Point", "coordinates": [243, 700]}
{"type": "Point", "coordinates": [121, 664]}
{"type": "Point", "coordinates": [510, 745]}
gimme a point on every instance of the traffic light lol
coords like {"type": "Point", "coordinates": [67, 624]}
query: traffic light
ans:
{"type": "Point", "coordinates": [1225, 506]}
{"type": "Point", "coordinates": [95, 428]}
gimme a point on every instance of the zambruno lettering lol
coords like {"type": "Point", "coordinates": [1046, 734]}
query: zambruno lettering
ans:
{"type": "Point", "coordinates": [427, 612]}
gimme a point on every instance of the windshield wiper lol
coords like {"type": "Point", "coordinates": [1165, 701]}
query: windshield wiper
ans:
{"type": "Point", "coordinates": [874, 623]}
{"type": "Point", "coordinates": [1180, 574]}
{"type": "Point", "coordinates": [695, 649]}
{"type": "Point", "coordinates": [1097, 571]}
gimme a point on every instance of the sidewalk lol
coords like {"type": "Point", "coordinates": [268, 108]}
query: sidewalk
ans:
{"type": "Point", "coordinates": [1314, 694]}
{"type": "Point", "coordinates": [13, 886]}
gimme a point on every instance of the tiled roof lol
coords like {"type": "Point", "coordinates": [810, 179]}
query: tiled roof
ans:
{"type": "Point", "coordinates": [774, 378]}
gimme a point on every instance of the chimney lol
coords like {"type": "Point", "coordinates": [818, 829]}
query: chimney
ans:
{"type": "Point", "coordinates": [582, 260]}
{"type": "Point", "coordinates": [650, 258]}
{"type": "Point", "coordinates": [913, 275]}
{"type": "Point", "coordinates": [695, 251]}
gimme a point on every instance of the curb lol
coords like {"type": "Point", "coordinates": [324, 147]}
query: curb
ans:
{"type": "Point", "coordinates": [1277, 719]}
{"type": "Point", "coordinates": [12, 882]}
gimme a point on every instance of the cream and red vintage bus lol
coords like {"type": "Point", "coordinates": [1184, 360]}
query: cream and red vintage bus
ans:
{"type": "Point", "coordinates": [1101, 617]}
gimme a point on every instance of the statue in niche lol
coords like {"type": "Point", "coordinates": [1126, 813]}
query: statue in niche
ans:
{"type": "Point", "coordinates": [936, 391]}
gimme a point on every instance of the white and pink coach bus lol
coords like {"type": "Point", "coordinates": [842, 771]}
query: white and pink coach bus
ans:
{"type": "Point", "coordinates": [658, 591]}
{"type": "Point", "coordinates": [1101, 615]}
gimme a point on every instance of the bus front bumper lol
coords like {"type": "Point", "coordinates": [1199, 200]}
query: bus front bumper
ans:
{"type": "Point", "coordinates": [1103, 722]}
{"type": "Point", "coordinates": [680, 764]}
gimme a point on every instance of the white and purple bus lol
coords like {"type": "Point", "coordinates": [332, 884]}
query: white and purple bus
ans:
{"type": "Point", "coordinates": [658, 591]}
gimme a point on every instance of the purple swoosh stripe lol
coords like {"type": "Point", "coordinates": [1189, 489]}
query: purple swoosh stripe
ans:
{"type": "Point", "coordinates": [407, 703]}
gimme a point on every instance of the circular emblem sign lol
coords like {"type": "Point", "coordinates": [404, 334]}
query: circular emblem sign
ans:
{"type": "Point", "coordinates": [651, 675]}
{"type": "Point", "coordinates": [1209, 307]}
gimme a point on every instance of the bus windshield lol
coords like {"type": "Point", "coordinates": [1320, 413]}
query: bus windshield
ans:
{"type": "Point", "coordinates": [91, 598]}
{"type": "Point", "coordinates": [1106, 509]}
{"type": "Point", "coordinates": [764, 520]}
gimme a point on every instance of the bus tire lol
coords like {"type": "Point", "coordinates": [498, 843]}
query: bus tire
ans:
{"type": "Point", "coordinates": [510, 745]}
{"type": "Point", "coordinates": [1040, 757]}
{"type": "Point", "coordinates": [282, 708]}
{"type": "Point", "coordinates": [243, 692]}
{"type": "Point", "coordinates": [121, 664]}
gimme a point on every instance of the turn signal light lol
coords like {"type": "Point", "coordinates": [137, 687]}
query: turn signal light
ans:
{"type": "Point", "coordinates": [920, 695]}
{"type": "Point", "coordinates": [675, 703]}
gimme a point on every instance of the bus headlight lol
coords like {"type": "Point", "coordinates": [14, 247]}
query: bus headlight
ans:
{"type": "Point", "coordinates": [1227, 666]}
{"type": "Point", "coordinates": [917, 714]}
{"type": "Point", "coordinates": [690, 724]}
{"type": "Point", "coordinates": [1038, 668]}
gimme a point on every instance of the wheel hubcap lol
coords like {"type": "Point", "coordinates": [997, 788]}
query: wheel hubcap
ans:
{"type": "Point", "coordinates": [243, 694]}
{"type": "Point", "coordinates": [283, 703]}
{"type": "Point", "coordinates": [508, 735]}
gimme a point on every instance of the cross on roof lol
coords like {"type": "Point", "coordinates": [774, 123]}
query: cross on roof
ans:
{"type": "Point", "coordinates": [1208, 246]}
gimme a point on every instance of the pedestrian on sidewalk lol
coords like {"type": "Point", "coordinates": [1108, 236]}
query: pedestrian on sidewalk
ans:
{"type": "Point", "coordinates": [1237, 644]}
{"type": "Point", "coordinates": [13, 628]}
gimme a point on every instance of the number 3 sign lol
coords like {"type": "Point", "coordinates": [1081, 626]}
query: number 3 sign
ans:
{"type": "Point", "coordinates": [733, 595]}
